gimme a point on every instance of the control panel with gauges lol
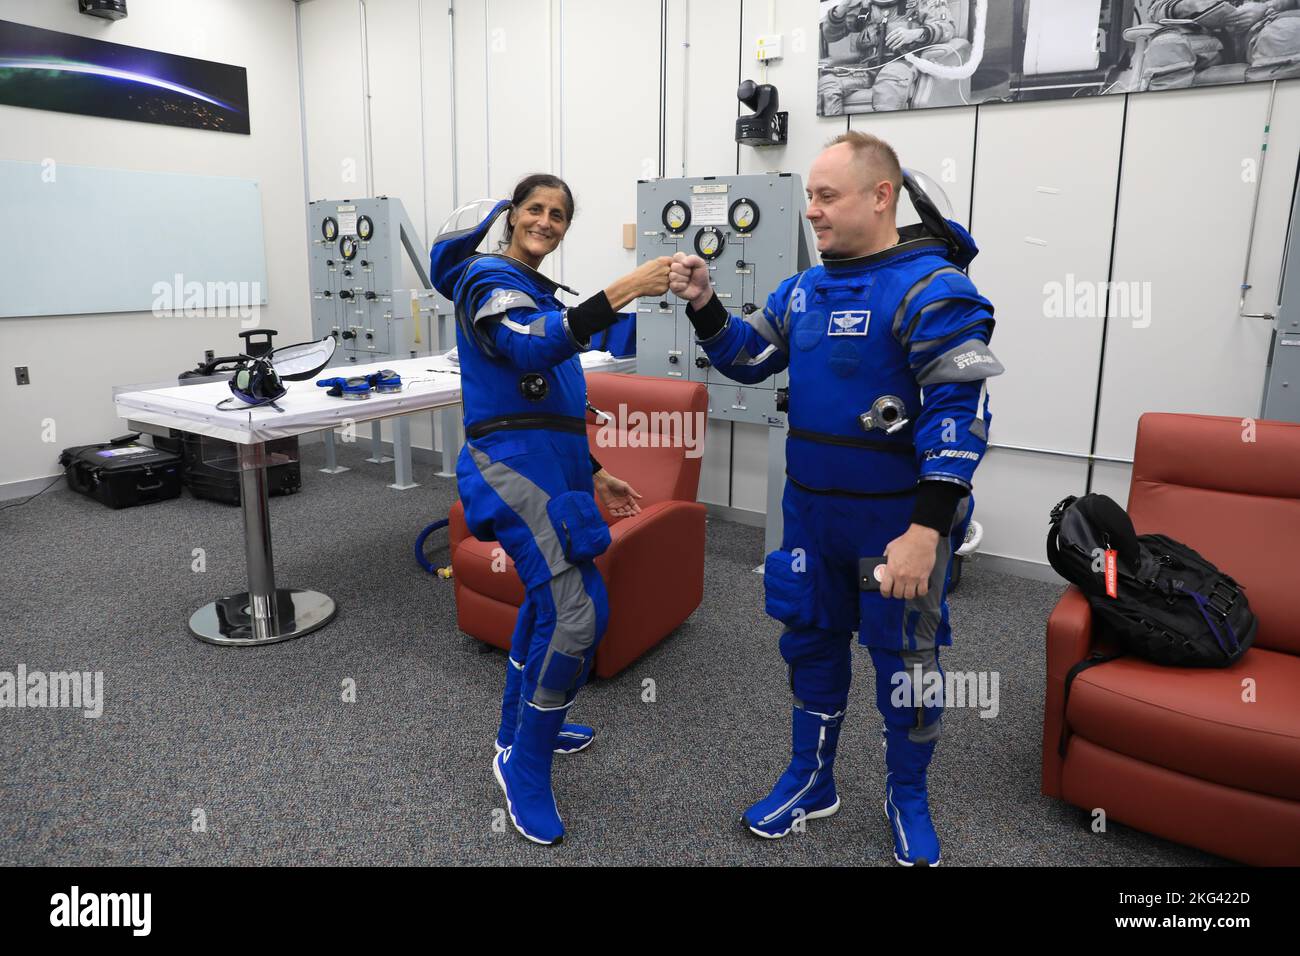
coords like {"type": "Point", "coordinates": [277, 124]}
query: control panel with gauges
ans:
{"type": "Point", "coordinates": [358, 294]}
{"type": "Point", "coordinates": [752, 232]}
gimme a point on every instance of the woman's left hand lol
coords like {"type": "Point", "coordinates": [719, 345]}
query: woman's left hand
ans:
{"type": "Point", "coordinates": [616, 494]}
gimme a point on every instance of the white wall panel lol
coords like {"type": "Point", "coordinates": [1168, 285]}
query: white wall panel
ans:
{"type": "Point", "coordinates": [715, 470]}
{"type": "Point", "coordinates": [1184, 217]}
{"type": "Point", "coordinates": [1111, 478]}
{"type": "Point", "coordinates": [394, 42]}
{"type": "Point", "coordinates": [1044, 217]}
{"type": "Point", "coordinates": [439, 141]}
{"type": "Point", "coordinates": [471, 131]}
{"type": "Point", "coordinates": [611, 130]}
{"type": "Point", "coordinates": [1276, 185]}
{"type": "Point", "coordinates": [521, 115]}
{"type": "Point", "coordinates": [333, 95]}
{"type": "Point", "coordinates": [397, 149]}
{"type": "Point", "coordinates": [700, 103]}
{"type": "Point", "coordinates": [1014, 494]}
{"type": "Point", "coordinates": [749, 466]}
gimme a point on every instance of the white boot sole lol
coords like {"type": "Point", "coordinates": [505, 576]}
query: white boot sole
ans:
{"type": "Point", "coordinates": [496, 772]}
{"type": "Point", "coordinates": [812, 815]}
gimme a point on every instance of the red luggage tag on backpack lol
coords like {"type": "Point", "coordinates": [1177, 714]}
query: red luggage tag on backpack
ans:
{"type": "Point", "coordinates": [1112, 573]}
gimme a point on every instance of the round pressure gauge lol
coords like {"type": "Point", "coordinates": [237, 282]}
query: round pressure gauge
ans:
{"type": "Point", "coordinates": [348, 248]}
{"type": "Point", "coordinates": [676, 216]}
{"type": "Point", "coordinates": [743, 215]}
{"type": "Point", "coordinates": [365, 228]}
{"type": "Point", "coordinates": [709, 242]}
{"type": "Point", "coordinates": [329, 229]}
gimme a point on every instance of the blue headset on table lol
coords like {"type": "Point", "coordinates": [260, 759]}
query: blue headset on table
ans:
{"type": "Point", "coordinates": [260, 379]}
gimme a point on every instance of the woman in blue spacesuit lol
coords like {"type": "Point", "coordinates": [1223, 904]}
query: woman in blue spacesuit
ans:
{"type": "Point", "coordinates": [526, 475]}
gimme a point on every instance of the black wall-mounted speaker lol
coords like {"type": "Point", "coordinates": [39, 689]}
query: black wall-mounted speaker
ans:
{"type": "Point", "coordinates": [104, 9]}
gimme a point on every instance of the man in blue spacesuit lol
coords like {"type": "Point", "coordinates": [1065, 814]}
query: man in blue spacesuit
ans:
{"type": "Point", "coordinates": [886, 344]}
{"type": "Point", "coordinates": [526, 476]}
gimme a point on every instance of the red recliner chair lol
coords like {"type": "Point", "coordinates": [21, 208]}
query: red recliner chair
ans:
{"type": "Point", "coordinates": [1205, 757]}
{"type": "Point", "coordinates": [654, 568]}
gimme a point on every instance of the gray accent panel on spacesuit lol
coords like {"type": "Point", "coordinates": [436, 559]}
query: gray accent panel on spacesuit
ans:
{"type": "Point", "coordinates": [927, 605]}
{"type": "Point", "coordinates": [527, 500]}
{"type": "Point", "coordinates": [910, 296]}
{"type": "Point", "coordinates": [971, 361]}
{"type": "Point", "coordinates": [502, 301]}
{"type": "Point", "coordinates": [785, 319]}
{"type": "Point", "coordinates": [760, 324]}
{"type": "Point", "coordinates": [575, 630]}
{"type": "Point", "coordinates": [928, 661]}
{"type": "Point", "coordinates": [744, 358]}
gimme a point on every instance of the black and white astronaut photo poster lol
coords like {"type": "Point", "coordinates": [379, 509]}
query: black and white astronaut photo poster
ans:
{"type": "Point", "coordinates": [879, 55]}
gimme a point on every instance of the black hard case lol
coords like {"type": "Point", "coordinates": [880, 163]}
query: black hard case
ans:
{"type": "Point", "coordinates": [122, 473]}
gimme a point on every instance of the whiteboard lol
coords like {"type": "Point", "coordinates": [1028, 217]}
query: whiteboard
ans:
{"type": "Point", "coordinates": [88, 240]}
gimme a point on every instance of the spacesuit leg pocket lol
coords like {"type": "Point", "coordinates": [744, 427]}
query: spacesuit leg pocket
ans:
{"type": "Point", "coordinates": [559, 675]}
{"type": "Point", "coordinates": [789, 588]}
{"type": "Point", "coordinates": [582, 531]}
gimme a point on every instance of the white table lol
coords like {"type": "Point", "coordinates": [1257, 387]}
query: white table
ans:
{"type": "Point", "coordinates": [264, 613]}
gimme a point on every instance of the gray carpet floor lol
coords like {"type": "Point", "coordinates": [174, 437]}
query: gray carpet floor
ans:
{"type": "Point", "coordinates": [286, 772]}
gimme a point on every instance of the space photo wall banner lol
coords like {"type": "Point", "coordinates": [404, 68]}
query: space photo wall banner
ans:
{"type": "Point", "coordinates": [882, 55]}
{"type": "Point", "coordinates": [47, 70]}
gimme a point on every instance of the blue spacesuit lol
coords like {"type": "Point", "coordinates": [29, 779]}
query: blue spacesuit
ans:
{"type": "Point", "coordinates": [525, 478]}
{"type": "Point", "coordinates": [888, 417]}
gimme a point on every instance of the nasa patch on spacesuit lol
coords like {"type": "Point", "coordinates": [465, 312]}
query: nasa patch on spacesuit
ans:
{"type": "Point", "coordinates": [849, 322]}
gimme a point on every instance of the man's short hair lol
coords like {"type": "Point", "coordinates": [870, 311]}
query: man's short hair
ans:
{"type": "Point", "coordinates": [876, 155]}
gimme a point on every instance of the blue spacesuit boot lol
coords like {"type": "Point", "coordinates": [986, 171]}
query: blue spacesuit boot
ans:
{"type": "Point", "coordinates": [572, 737]}
{"type": "Point", "coordinates": [524, 773]}
{"type": "Point", "coordinates": [820, 671]}
{"type": "Point", "coordinates": [906, 801]}
{"type": "Point", "coordinates": [807, 788]}
{"type": "Point", "coordinates": [912, 709]}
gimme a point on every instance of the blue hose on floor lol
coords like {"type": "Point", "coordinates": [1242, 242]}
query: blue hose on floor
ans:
{"type": "Point", "coordinates": [419, 545]}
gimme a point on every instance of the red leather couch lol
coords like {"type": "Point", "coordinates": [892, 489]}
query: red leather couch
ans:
{"type": "Point", "coordinates": [1179, 752]}
{"type": "Point", "coordinates": [653, 570]}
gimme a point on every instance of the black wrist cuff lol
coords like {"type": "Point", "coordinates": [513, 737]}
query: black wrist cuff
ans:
{"type": "Point", "coordinates": [595, 465]}
{"type": "Point", "coordinates": [591, 316]}
{"type": "Point", "coordinates": [710, 320]}
{"type": "Point", "coordinates": [936, 504]}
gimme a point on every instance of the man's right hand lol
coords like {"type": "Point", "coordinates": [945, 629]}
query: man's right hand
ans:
{"type": "Point", "coordinates": [689, 280]}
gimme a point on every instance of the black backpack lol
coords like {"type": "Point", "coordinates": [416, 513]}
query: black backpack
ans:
{"type": "Point", "coordinates": [1171, 605]}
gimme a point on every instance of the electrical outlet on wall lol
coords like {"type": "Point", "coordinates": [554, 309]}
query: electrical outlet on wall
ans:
{"type": "Point", "coordinates": [20, 373]}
